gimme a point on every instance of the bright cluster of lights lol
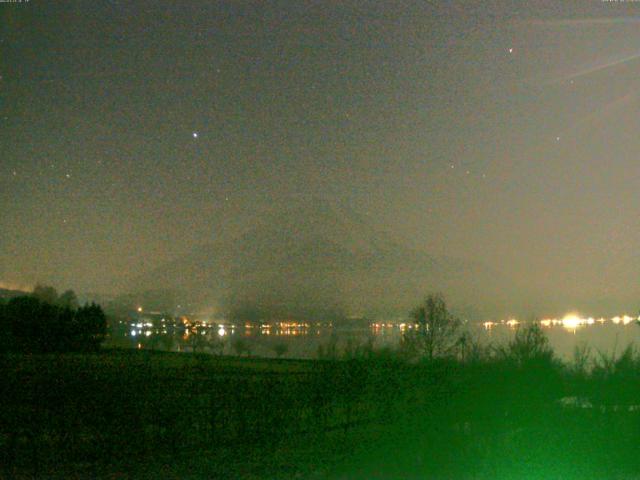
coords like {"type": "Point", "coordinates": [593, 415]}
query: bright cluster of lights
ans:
{"type": "Point", "coordinates": [292, 325]}
{"type": "Point", "coordinates": [143, 325]}
{"type": "Point", "coordinates": [571, 321]}
{"type": "Point", "coordinates": [625, 320]}
{"type": "Point", "coordinates": [146, 333]}
{"type": "Point", "coordinates": [386, 325]}
{"type": "Point", "coordinates": [511, 323]}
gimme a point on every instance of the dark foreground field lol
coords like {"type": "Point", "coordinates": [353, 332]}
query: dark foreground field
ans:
{"type": "Point", "coordinates": [134, 414]}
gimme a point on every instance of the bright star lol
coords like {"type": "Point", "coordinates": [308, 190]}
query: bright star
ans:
{"type": "Point", "coordinates": [195, 134]}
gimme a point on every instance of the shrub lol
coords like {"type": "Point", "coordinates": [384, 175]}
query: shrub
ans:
{"type": "Point", "coordinates": [529, 344]}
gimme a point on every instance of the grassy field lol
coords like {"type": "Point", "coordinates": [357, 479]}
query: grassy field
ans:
{"type": "Point", "coordinates": [136, 414]}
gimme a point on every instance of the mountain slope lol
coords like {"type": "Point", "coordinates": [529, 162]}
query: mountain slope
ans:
{"type": "Point", "coordinates": [313, 261]}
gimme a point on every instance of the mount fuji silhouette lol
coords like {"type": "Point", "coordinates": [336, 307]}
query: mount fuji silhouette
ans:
{"type": "Point", "coordinates": [311, 260]}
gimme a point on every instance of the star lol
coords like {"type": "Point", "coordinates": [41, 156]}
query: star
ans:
{"type": "Point", "coordinates": [68, 175]}
{"type": "Point", "coordinates": [195, 134]}
{"type": "Point", "coordinates": [557, 139]}
{"type": "Point", "coordinates": [511, 50]}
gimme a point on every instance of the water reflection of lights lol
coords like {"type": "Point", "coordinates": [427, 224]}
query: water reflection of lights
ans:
{"type": "Point", "coordinates": [291, 332]}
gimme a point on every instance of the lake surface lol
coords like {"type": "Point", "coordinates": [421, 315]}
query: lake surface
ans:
{"type": "Point", "coordinates": [304, 340]}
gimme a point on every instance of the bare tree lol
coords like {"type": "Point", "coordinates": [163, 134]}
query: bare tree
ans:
{"type": "Point", "coordinates": [197, 341]}
{"type": "Point", "coordinates": [436, 329]}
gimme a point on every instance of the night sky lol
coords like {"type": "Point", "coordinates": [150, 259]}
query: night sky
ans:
{"type": "Point", "coordinates": [498, 132]}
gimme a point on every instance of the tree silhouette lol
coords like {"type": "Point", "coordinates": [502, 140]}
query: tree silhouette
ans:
{"type": "Point", "coordinates": [5, 334]}
{"type": "Point", "coordinates": [68, 300]}
{"type": "Point", "coordinates": [92, 326]}
{"type": "Point", "coordinates": [32, 325]}
{"type": "Point", "coordinates": [198, 341]}
{"type": "Point", "coordinates": [529, 344]}
{"type": "Point", "coordinates": [436, 329]}
{"type": "Point", "coordinates": [45, 293]}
